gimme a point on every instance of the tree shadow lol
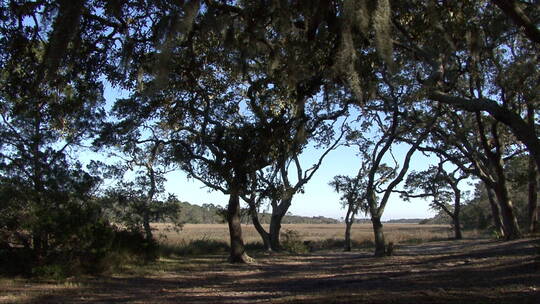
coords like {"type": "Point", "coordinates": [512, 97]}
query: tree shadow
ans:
{"type": "Point", "coordinates": [488, 272]}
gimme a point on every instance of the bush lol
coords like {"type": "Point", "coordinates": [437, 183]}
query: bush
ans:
{"type": "Point", "coordinates": [16, 261]}
{"type": "Point", "coordinates": [194, 247]}
{"type": "Point", "coordinates": [56, 272]}
{"type": "Point", "coordinates": [292, 242]}
{"type": "Point", "coordinates": [127, 247]}
{"type": "Point", "coordinates": [134, 243]}
{"type": "Point", "coordinates": [365, 244]}
{"type": "Point", "coordinates": [337, 244]}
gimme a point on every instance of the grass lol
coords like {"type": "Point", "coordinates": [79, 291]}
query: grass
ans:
{"type": "Point", "coordinates": [318, 236]}
{"type": "Point", "coordinates": [201, 250]}
{"type": "Point", "coordinates": [201, 239]}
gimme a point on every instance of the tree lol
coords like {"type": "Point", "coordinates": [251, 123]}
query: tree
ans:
{"type": "Point", "coordinates": [50, 104]}
{"type": "Point", "coordinates": [353, 198]}
{"type": "Point", "coordinates": [477, 211]}
{"type": "Point", "coordinates": [256, 73]}
{"type": "Point", "coordinates": [493, 70]}
{"type": "Point", "coordinates": [442, 187]}
{"type": "Point", "coordinates": [142, 151]}
{"type": "Point", "coordinates": [462, 138]}
{"type": "Point", "coordinates": [386, 121]}
{"type": "Point", "coordinates": [279, 189]}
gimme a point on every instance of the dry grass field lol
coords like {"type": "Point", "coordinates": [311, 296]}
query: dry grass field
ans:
{"type": "Point", "coordinates": [423, 269]}
{"type": "Point", "coordinates": [397, 233]}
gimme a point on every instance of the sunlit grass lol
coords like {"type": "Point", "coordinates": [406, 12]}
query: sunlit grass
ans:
{"type": "Point", "coordinates": [397, 233]}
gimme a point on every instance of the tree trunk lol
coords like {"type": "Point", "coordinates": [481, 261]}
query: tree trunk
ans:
{"type": "Point", "coordinates": [348, 245]}
{"type": "Point", "coordinates": [275, 230]}
{"type": "Point", "coordinates": [265, 236]}
{"type": "Point", "coordinates": [275, 222]}
{"type": "Point", "coordinates": [533, 197]}
{"type": "Point", "coordinates": [495, 213]}
{"type": "Point", "coordinates": [349, 219]}
{"type": "Point", "coordinates": [457, 227]}
{"type": "Point", "coordinates": [238, 252]}
{"type": "Point", "coordinates": [380, 249]}
{"type": "Point", "coordinates": [146, 225]}
{"type": "Point", "coordinates": [510, 225]}
{"type": "Point", "coordinates": [457, 210]}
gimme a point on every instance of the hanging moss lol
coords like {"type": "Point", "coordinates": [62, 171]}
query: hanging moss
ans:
{"type": "Point", "coordinates": [177, 28]}
{"type": "Point", "coordinates": [66, 26]}
{"type": "Point", "coordinates": [381, 25]}
{"type": "Point", "coordinates": [362, 16]}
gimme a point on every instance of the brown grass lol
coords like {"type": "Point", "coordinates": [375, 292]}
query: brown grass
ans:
{"type": "Point", "coordinates": [397, 233]}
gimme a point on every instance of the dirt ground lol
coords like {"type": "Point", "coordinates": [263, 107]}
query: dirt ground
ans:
{"type": "Point", "coordinates": [468, 271]}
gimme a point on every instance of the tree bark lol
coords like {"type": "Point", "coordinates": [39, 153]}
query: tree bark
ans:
{"type": "Point", "coordinates": [275, 230]}
{"type": "Point", "coordinates": [146, 225]}
{"type": "Point", "coordinates": [349, 219]}
{"type": "Point", "coordinates": [265, 236]}
{"type": "Point", "coordinates": [455, 217]}
{"type": "Point", "coordinates": [380, 246]}
{"type": "Point", "coordinates": [457, 227]}
{"type": "Point", "coordinates": [532, 179]}
{"type": "Point", "coordinates": [238, 252]}
{"type": "Point", "coordinates": [275, 222]}
{"type": "Point", "coordinates": [533, 197]}
{"type": "Point", "coordinates": [510, 224]}
{"type": "Point", "coordinates": [495, 212]}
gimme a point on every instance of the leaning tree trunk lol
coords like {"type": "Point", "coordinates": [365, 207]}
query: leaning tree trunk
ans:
{"type": "Point", "coordinates": [495, 212]}
{"type": "Point", "coordinates": [510, 224]}
{"type": "Point", "coordinates": [238, 252]}
{"type": "Point", "coordinates": [380, 247]}
{"type": "Point", "coordinates": [533, 197]}
{"type": "Point", "coordinates": [349, 219]}
{"type": "Point", "coordinates": [265, 236]}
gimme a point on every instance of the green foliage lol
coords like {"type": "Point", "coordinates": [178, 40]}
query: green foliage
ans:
{"type": "Point", "coordinates": [338, 244]}
{"type": "Point", "coordinates": [56, 272]}
{"type": "Point", "coordinates": [291, 241]}
{"type": "Point", "coordinates": [194, 248]}
{"type": "Point", "coordinates": [128, 207]}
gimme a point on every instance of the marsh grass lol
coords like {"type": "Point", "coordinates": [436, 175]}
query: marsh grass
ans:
{"type": "Point", "coordinates": [310, 232]}
{"type": "Point", "coordinates": [197, 239]}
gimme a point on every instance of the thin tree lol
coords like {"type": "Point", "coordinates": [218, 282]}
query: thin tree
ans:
{"type": "Point", "coordinates": [442, 187]}
{"type": "Point", "coordinates": [353, 199]}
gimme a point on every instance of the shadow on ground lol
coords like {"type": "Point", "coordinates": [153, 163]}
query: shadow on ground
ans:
{"type": "Point", "coordinates": [468, 271]}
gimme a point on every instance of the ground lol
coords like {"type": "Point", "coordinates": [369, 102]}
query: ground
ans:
{"type": "Point", "coordinates": [467, 271]}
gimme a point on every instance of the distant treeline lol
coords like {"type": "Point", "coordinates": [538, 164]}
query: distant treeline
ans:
{"type": "Point", "coordinates": [215, 214]}
{"type": "Point", "coordinates": [406, 221]}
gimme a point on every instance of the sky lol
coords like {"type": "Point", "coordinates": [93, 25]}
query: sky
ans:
{"type": "Point", "coordinates": [318, 199]}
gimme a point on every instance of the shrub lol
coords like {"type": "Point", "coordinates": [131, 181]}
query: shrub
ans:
{"type": "Point", "coordinates": [194, 247]}
{"type": "Point", "coordinates": [292, 242]}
